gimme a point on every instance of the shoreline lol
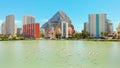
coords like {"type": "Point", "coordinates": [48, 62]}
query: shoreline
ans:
{"type": "Point", "coordinates": [104, 40]}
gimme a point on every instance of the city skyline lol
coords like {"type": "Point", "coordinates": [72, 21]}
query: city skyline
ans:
{"type": "Point", "coordinates": [44, 10]}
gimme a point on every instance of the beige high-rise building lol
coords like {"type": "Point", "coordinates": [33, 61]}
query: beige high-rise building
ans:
{"type": "Point", "coordinates": [10, 24]}
{"type": "Point", "coordinates": [3, 28]}
{"type": "Point", "coordinates": [118, 31]}
{"type": "Point", "coordinates": [27, 19]}
{"type": "Point", "coordinates": [87, 26]}
{"type": "Point", "coordinates": [118, 28]}
{"type": "Point", "coordinates": [109, 27]}
{"type": "Point", "coordinates": [15, 31]}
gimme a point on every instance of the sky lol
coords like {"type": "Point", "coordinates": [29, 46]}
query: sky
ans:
{"type": "Point", "coordinates": [77, 10]}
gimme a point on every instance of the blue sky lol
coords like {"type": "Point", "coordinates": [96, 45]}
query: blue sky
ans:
{"type": "Point", "coordinates": [77, 10]}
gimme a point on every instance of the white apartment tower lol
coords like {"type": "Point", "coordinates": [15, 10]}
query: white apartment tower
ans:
{"type": "Point", "coordinates": [97, 24]}
{"type": "Point", "coordinates": [64, 29]}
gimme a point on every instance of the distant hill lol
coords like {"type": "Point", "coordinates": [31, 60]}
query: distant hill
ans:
{"type": "Point", "coordinates": [56, 20]}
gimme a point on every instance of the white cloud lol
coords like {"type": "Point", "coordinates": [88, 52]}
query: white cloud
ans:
{"type": "Point", "coordinates": [44, 20]}
{"type": "Point", "coordinates": [18, 21]}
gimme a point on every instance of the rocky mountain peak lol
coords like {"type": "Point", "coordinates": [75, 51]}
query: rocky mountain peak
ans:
{"type": "Point", "coordinates": [61, 12]}
{"type": "Point", "coordinates": [58, 18]}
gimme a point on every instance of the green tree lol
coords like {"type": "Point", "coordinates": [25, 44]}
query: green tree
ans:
{"type": "Point", "coordinates": [4, 37]}
{"type": "Point", "coordinates": [58, 35]}
{"type": "Point", "coordinates": [77, 36]}
{"type": "Point", "coordinates": [104, 34]}
{"type": "Point", "coordinates": [42, 35]}
{"type": "Point", "coordinates": [85, 34]}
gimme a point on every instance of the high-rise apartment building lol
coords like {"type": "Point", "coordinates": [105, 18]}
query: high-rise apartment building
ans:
{"type": "Point", "coordinates": [27, 19]}
{"type": "Point", "coordinates": [64, 29]}
{"type": "Point", "coordinates": [10, 25]}
{"type": "Point", "coordinates": [3, 27]}
{"type": "Point", "coordinates": [109, 27]}
{"type": "Point", "coordinates": [118, 28]}
{"type": "Point", "coordinates": [96, 25]}
{"type": "Point", "coordinates": [30, 28]}
{"type": "Point", "coordinates": [87, 26]}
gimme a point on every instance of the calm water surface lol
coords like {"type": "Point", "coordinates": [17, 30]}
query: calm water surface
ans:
{"type": "Point", "coordinates": [59, 54]}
